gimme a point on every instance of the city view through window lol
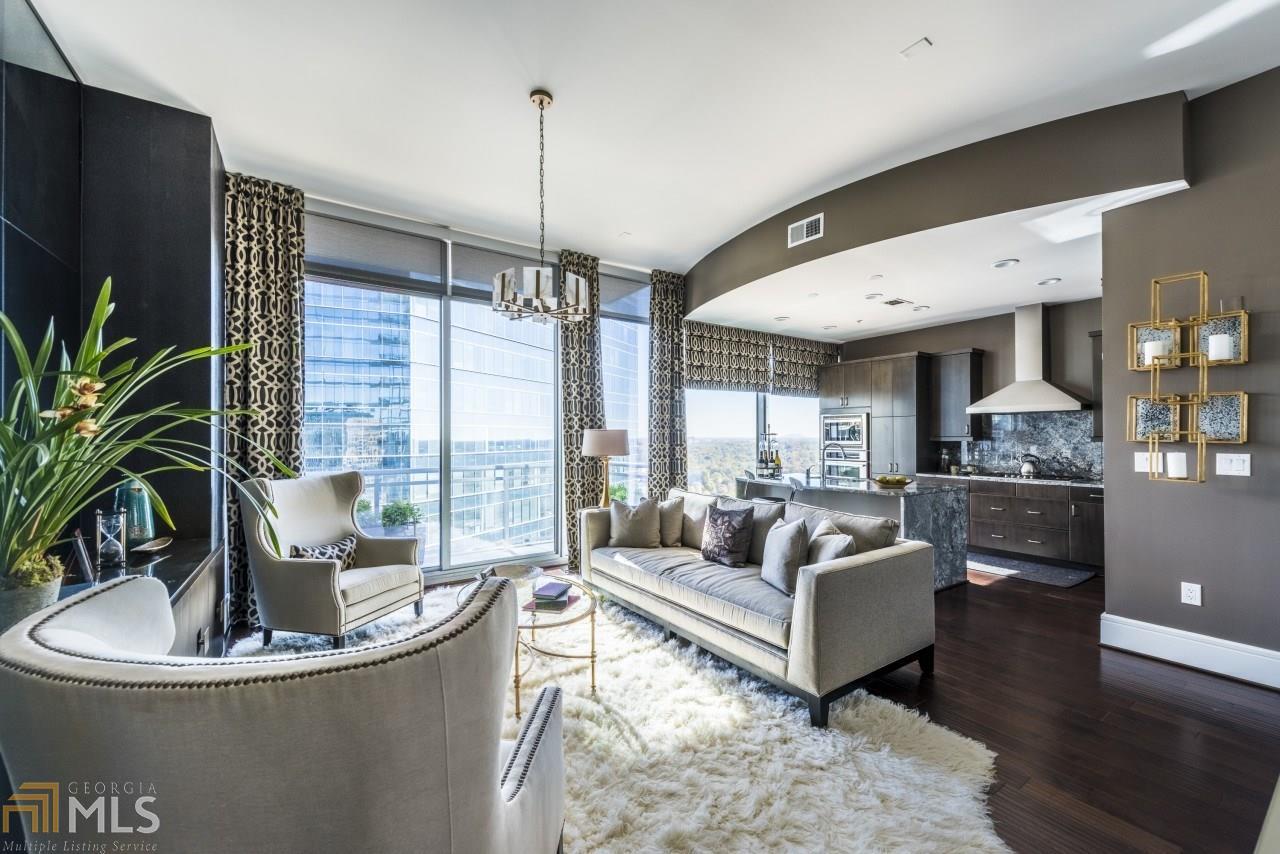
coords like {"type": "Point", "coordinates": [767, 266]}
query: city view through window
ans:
{"type": "Point", "coordinates": [723, 436]}
{"type": "Point", "coordinates": [624, 353]}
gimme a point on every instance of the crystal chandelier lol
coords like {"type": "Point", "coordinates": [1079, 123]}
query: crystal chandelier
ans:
{"type": "Point", "coordinates": [529, 291]}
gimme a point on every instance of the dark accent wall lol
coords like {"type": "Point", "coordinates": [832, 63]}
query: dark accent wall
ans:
{"type": "Point", "coordinates": [1070, 356]}
{"type": "Point", "coordinates": [40, 185]}
{"type": "Point", "coordinates": [1129, 145]}
{"type": "Point", "coordinates": [152, 221]}
{"type": "Point", "coordinates": [1222, 533]}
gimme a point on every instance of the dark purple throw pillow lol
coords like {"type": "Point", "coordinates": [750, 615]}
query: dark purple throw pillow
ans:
{"type": "Point", "coordinates": [726, 539]}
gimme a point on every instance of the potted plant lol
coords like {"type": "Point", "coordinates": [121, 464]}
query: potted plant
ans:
{"type": "Point", "coordinates": [69, 436]}
{"type": "Point", "coordinates": [400, 515]}
{"type": "Point", "coordinates": [364, 512]}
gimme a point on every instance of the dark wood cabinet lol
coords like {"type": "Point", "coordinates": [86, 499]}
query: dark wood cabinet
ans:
{"type": "Point", "coordinates": [845, 385]}
{"type": "Point", "coordinates": [882, 388]}
{"type": "Point", "coordinates": [906, 444]}
{"type": "Point", "coordinates": [831, 387]}
{"type": "Point", "coordinates": [882, 457]}
{"type": "Point", "coordinates": [1086, 533]}
{"type": "Point", "coordinates": [957, 383]}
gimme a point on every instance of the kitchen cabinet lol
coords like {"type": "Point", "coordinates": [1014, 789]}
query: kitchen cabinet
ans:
{"type": "Point", "coordinates": [831, 387]}
{"type": "Point", "coordinates": [845, 385]}
{"type": "Point", "coordinates": [898, 384]}
{"type": "Point", "coordinates": [957, 383]}
{"type": "Point", "coordinates": [894, 444]}
{"type": "Point", "coordinates": [1087, 531]}
{"type": "Point", "coordinates": [882, 458]}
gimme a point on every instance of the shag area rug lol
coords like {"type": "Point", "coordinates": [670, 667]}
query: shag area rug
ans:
{"type": "Point", "coordinates": [679, 751]}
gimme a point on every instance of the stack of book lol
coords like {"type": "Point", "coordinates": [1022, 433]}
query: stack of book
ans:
{"type": "Point", "coordinates": [551, 595]}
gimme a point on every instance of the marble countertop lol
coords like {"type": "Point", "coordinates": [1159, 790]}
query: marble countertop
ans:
{"type": "Point", "coordinates": [870, 487]}
{"type": "Point", "coordinates": [1096, 484]}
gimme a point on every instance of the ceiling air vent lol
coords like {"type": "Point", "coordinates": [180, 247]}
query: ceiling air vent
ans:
{"type": "Point", "coordinates": [804, 230]}
{"type": "Point", "coordinates": [897, 301]}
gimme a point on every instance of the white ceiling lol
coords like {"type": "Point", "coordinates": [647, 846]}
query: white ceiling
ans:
{"type": "Point", "coordinates": [681, 123]}
{"type": "Point", "coordinates": [949, 269]}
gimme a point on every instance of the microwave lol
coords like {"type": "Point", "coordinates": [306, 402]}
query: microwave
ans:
{"type": "Point", "coordinates": [844, 466]}
{"type": "Point", "coordinates": [847, 430]}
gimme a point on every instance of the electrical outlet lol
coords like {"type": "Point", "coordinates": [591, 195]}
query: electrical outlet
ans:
{"type": "Point", "coordinates": [1190, 594]}
{"type": "Point", "coordinates": [1234, 465]}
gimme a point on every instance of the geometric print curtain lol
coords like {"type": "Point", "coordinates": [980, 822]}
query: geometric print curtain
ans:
{"type": "Point", "coordinates": [581, 400]}
{"type": "Point", "coordinates": [667, 460]}
{"type": "Point", "coordinates": [725, 357]}
{"type": "Point", "coordinates": [262, 298]}
{"type": "Point", "coordinates": [796, 362]}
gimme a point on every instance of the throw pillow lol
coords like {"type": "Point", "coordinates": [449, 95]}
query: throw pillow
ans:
{"type": "Point", "coordinates": [671, 520]}
{"type": "Point", "coordinates": [695, 517]}
{"type": "Point", "coordinates": [766, 513]}
{"type": "Point", "coordinates": [727, 537]}
{"type": "Point", "coordinates": [785, 549]}
{"type": "Point", "coordinates": [634, 527]}
{"type": "Point", "coordinates": [830, 543]}
{"type": "Point", "coordinates": [343, 551]}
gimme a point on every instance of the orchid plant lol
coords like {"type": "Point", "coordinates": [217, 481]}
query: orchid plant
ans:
{"type": "Point", "coordinates": [68, 438]}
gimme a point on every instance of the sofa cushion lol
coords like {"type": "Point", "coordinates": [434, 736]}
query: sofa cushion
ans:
{"type": "Point", "coordinates": [634, 527]}
{"type": "Point", "coordinates": [695, 516]}
{"type": "Point", "coordinates": [766, 513]}
{"type": "Point", "coordinates": [827, 543]}
{"type": "Point", "coordinates": [671, 520]}
{"type": "Point", "coordinates": [785, 549]}
{"type": "Point", "coordinates": [868, 532]}
{"type": "Point", "coordinates": [734, 596]}
{"type": "Point", "coordinates": [727, 537]}
{"type": "Point", "coordinates": [356, 585]}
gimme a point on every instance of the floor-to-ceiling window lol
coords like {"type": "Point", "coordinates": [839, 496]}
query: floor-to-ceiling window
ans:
{"type": "Point", "coordinates": [721, 428]}
{"type": "Point", "coordinates": [624, 352]}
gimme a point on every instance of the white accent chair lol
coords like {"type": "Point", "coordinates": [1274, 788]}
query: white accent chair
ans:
{"type": "Point", "coordinates": [386, 747]}
{"type": "Point", "coordinates": [317, 596]}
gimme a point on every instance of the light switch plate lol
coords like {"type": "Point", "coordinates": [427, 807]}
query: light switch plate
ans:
{"type": "Point", "coordinates": [1233, 465]}
{"type": "Point", "coordinates": [1141, 462]}
{"type": "Point", "coordinates": [1190, 594]}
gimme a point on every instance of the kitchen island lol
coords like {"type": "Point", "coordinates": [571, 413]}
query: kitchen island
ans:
{"type": "Point", "coordinates": [938, 515]}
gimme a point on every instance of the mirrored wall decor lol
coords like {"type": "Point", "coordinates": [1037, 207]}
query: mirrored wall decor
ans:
{"type": "Point", "coordinates": [1147, 340]}
{"type": "Point", "coordinates": [1224, 338]}
{"type": "Point", "coordinates": [1146, 418]}
{"type": "Point", "coordinates": [1223, 417]}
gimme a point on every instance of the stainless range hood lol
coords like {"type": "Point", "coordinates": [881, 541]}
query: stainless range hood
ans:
{"type": "Point", "coordinates": [1030, 391]}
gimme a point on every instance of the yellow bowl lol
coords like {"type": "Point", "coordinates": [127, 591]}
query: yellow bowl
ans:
{"type": "Point", "coordinates": [893, 480]}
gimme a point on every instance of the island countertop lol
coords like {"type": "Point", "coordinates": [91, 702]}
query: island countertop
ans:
{"type": "Point", "coordinates": [870, 487]}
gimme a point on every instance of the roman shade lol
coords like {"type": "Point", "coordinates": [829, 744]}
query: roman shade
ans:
{"type": "Point", "coordinates": [725, 358]}
{"type": "Point", "coordinates": [796, 362]}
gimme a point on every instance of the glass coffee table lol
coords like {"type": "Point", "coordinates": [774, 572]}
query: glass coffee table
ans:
{"type": "Point", "coordinates": [532, 626]}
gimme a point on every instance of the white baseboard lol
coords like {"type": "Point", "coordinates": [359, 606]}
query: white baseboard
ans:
{"type": "Point", "coordinates": [1238, 660]}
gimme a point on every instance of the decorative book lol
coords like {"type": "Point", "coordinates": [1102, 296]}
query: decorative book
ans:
{"type": "Point", "coordinates": [561, 604]}
{"type": "Point", "coordinates": [551, 589]}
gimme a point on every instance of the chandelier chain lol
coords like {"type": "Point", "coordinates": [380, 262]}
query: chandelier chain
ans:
{"type": "Point", "coordinates": [542, 188]}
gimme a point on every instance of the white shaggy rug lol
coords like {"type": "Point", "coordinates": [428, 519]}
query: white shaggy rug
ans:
{"type": "Point", "coordinates": [679, 751]}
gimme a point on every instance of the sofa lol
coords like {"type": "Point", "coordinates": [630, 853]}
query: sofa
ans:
{"type": "Point", "coordinates": [391, 746]}
{"type": "Point", "coordinates": [850, 619]}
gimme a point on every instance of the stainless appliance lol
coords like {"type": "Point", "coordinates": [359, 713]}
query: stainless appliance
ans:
{"type": "Point", "coordinates": [1030, 465]}
{"type": "Point", "coordinates": [1030, 391]}
{"type": "Point", "coordinates": [849, 431]}
{"type": "Point", "coordinates": [843, 465]}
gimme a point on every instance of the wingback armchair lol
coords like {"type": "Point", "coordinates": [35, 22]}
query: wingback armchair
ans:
{"type": "Point", "coordinates": [318, 596]}
{"type": "Point", "coordinates": [387, 747]}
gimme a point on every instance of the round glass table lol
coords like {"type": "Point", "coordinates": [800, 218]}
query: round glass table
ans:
{"type": "Point", "coordinates": [533, 621]}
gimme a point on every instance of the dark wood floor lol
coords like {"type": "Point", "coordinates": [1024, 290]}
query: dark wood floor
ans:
{"type": "Point", "coordinates": [1098, 750]}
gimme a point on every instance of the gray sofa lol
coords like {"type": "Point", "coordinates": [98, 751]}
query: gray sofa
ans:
{"type": "Point", "coordinates": [850, 619]}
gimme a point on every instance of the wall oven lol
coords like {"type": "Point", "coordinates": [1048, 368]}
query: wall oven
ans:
{"type": "Point", "coordinates": [844, 466]}
{"type": "Point", "coordinates": [850, 431]}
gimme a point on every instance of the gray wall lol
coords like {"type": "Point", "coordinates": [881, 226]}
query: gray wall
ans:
{"type": "Point", "coordinates": [1224, 533]}
{"type": "Point", "coordinates": [1069, 346]}
{"type": "Point", "coordinates": [1129, 145]}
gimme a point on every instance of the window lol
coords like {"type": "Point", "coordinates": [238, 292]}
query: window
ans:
{"type": "Point", "coordinates": [721, 428]}
{"type": "Point", "coordinates": [624, 353]}
{"type": "Point", "coordinates": [502, 436]}
{"type": "Point", "coordinates": [372, 403]}
{"type": "Point", "coordinates": [794, 420]}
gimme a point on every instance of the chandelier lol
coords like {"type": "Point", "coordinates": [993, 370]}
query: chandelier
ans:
{"type": "Point", "coordinates": [529, 291]}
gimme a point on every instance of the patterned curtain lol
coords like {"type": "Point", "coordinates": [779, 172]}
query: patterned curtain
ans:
{"type": "Point", "coordinates": [796, 362]}
{"type": "Point", "coordinates": [581, 400]}
{"type": "Point", "coordinates": [263, 302]}
{"type": "Point", "coordinates": [725, 357]}
{"type": "Point", "coordinates": [667, 451]}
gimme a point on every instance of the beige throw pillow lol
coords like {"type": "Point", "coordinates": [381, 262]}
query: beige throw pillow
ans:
{"type": "Point", "coordinates": [785, 548]}
{"type": "Point", "coordinates": [634, 527]}
{"type": "Point", "coordinates": [829, 543]}
{"type": "Point", "coordinates": [671, 520]}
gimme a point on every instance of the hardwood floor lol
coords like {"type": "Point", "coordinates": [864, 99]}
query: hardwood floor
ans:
{"type": "Point", "coordinates": [1098, 750]}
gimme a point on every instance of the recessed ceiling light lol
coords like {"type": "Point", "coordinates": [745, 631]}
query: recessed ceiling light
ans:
{"type": "Point", "coordinates": [828, 327]}
{"type": "Point", "coordinates": [782, 317]}
{"type": "Point", "coordinates": [814, 294]}
{"type": "Point", "coordinates": [1005, 262]}
{"type": "Point", "coordinates": [858, 321]}
{"type": "Point", "coordinates": [921, 308]}
{"type": "Point", "coordinates": [1053, 280]}
{"type": "Point", "coordinates": [877, 276]}
{"type": "Point", "coordinates": [874, 296]}
{"type": "Point", "coordinates": [624, 234]}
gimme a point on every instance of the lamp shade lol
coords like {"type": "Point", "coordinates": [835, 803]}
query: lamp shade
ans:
{"type": "Point", "coordinates": [604, 443]}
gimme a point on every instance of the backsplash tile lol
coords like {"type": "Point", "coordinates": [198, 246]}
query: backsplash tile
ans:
{"type": "Point", "coordinates": [1062, 440]}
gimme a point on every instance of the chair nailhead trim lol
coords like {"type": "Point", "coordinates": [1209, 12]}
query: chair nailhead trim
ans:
{"type": "Point", "coordinates": [545, 719]}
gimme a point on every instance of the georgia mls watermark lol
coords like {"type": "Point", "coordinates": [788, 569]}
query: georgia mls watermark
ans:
{"type": "Point", "coordinates": [74, 815]}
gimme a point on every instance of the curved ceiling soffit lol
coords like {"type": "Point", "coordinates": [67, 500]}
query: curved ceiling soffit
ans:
{"type": "Point", "coordinates": [1131, 145]}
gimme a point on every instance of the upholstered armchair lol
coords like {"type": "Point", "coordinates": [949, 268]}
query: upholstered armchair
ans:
{"type": "Point", "coordinates": [387, 747]}
{"type": "Point", "coordinates": [319, 596]}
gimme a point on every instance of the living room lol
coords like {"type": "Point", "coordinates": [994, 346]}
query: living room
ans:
{"type": "Point", "coordinates": [589, 427]}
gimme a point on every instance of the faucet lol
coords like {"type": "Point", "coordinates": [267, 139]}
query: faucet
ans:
{"type": "Point", "coordinates": [840, 447]}
{"type": "Point", "coordinates": [808, 475]}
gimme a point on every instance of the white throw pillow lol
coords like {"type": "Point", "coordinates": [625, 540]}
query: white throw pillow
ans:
{"type": "Point", "coordinates": [830, 543]}
{"type": "Point", "coordinates": [785, 548]}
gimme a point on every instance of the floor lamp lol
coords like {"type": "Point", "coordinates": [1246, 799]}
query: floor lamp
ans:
{"type": "Point", "coordinates": [604, 444]}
